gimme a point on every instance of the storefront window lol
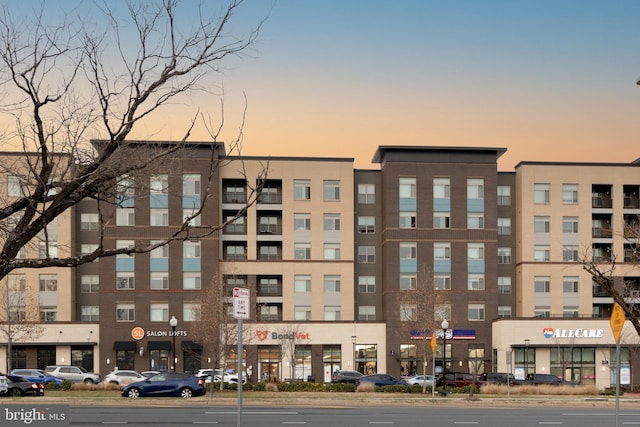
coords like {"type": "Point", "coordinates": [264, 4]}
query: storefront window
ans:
{"type": "Point", "coordinates": [303, 362]}
{"type": "Point", "coordinates": [625, 367]}
{"type": "Point", "coordinates": [525, 359]}
{"type": "Point", "coordinates": [367, 358]}
{"type": "Point", "coordinates": [159, 360]}
{"type": "Point", "coordinates": [574, 364]}
{"type": "Point", "coordinates": [19, 358]}
{"type": "Point", "coordinates": [409, 363]}
{"type": "Point", "coordinates": [269, 359]}
{"type": "Point", "coordinates": [46, 356]}
{"type": "Point", "coordinates": [82, 356]}
{"type": "Point", "coordinates": [332, 360]}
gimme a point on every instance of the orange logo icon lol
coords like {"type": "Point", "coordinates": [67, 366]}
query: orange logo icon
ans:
{"type": "Point", "coordinates": [137, 333]}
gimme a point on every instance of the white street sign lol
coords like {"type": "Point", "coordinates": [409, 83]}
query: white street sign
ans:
{"type": "Point", "coordinates": [241, 303]}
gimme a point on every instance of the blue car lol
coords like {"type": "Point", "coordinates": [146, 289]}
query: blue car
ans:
{"type": "Point", "coordinates": [166, 384]}
{"type": "Point", "coordinates": [36, 376]}
{"type": "Point", "coordinates": [380, 380]}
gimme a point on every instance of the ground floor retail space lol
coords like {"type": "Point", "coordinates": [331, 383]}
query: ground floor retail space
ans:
{"type": "Point", "coordinates": [579, 350]}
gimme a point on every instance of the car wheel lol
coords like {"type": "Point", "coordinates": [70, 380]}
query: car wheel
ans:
{"type": "Point", "coordinates": [15, 392]}
{"type": "Point", "coordinates": [88, 381]}
{"type": "Point", "coordinates": [133, 393]}
{"type": "Point", "coordinates": [186, 393]}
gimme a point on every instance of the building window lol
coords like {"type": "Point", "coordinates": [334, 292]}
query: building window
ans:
{"type": "Point", "coordinates": [190, 280]}
{"type": "Point", "coordinates": [541, 253]}
{"type": "Point", "coordinates": [475, 221]}
{"type": "Point", "coordinates": [331, 313]}
{"type": "Point", "coordinates": [234, 252]}
{"type": "Point", "coordinates": [441, 220]}
{"type": "Point", "coordinates": [302, 189]}
{"type": "Point", "coordinates": [331, 222]}
{"type": "Point", "coordinates": [48, 314]}
{"type": "Point", "coordinates": [542, 311]}
{"type": "Point", "coordinates": [15, 186]}
{"type": "Point", "coordinates": [541, 224]}
{"type": "Point", "coordinates": [161, 252]}
{"type": "Point", "coordinates": [191, 250]}
{"type": "Point", "coordinates": [475, 188]}
{"type": "Point", "coordinates": [302, 313]}
{"type": "Point", "coordinates": [89, 283]}
{"type": "Point", "coordinates": [475, 312]}
{"type": "Point", "coordinates": [366, 254]}
{"type": "Point", "coordinates": [125, 312]}
{"type": "Point", "coordinates": [475, 251]}
{"type": "Point", "coordinates": [90, 313]}
{"type": "Point", "coordinates": [159, 280]}
{"type": "Point", "coordinates": [504, 226]}
{"type": "Point", "coordinates": [570, 194]}
{"type": "Point", "coordinates": [159, 184]}
{"type": "Point", "coordinates": [47, 250]}
{"type": "Point", "coordinates": [302, 222]}
{"type": "Point", "coordinates": [441, 188]}
{"type": "Point", "coordinates": [86, 249]}
{"type": "Point", "coordinates": [504, 285]}
{"type": "Point", "coordinates": [542, 284]}
{"type": "Point", "coordinates": [569, 253]}
{"type": "Point", "coordinates": [570, 285]}
{"type": "Point", "coordinates": [268, 252]}
{"type": "Point", "coordinates": [442, 281]}
{"type": "Point", "coordinates": [504, 195]}
{"type": "Point", "coordinates": [158, 217]}
{"type": "Point", "coordinates": [407, 188]}
{"type": "Point", "coordinates": [191, 184]}
{"type": "Point", "coordinates": [191, 312]}
{"type": "Point", "coordinates": [570, 311]}
{"type": "Point", "coordinates": [366, 224]}
{"type": "Point", "coordinates": [408, 281]}
{"type": "Point", "coordinates": [407, 220]}
{"type": "Point", "coordinates": [125, 244]}
{"type": "Point", "coordinates": [269, 286]}
{"type": "Point", "coordinates": [189, 216]}
{"type": "Point", "coordinates": [269, 313]}
{"type": "Point", "coordinates": [234, 192]}
{"type": "Point", "coordinates": [89, 221]}
{"type": "Point", "coordinates": [125, 216]}
{"type": "Point", "coordinates": [475, 282]}
{"type": "Point", "coordinates": [48, 282]}
{"type": "Point", "coordinates": [332, 251]}
{"type": "Point", "coordinates": [570, 224]}
{"type": "Point", "coordinates": [268, 225]}
{"type": "Point", "coordinates": [366, 194]}
{"type": "Point", "coordinates": [302, 284]}
{"type": "Point", "coordinates": [408, 251]}
{"type": "Point", "coordinates": [331, 284]}
{"type": "Point", "coordinates": [366, 312]}
{"type": "Point", "coordinates": [504, 311]}
{"type": "Point", "coordinates": [441, 311]}
{"type": "Point", "coordinates": [408, 312]}
{"type": "Point", "coordinates": [331, 190]}
{"type": "Point", "coordinates": [302, 251]}
{"type": "Point", "coordinates": [504, 255]}
{"type": "Point", "coordinates": [159, 312]}
{"type": "Point", "coordinates": [125, 280]}
{"type": "Point", "coordinates": [442, 251]}
{"type": "Point", "coordinates": [366, 284]}
{"type": "Point", "coordinates": [541, 194]}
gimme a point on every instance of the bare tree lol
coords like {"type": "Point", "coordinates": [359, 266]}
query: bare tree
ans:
{"type": "Point", "coordinates": [66, 81]}
{"type": "Point", "coordinates": [19, 304]}
{"type": "Point", "coordinates": [288, 338]}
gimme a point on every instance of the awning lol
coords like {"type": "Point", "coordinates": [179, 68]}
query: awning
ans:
{"type": "Point", "coordinates": [124, 345]}
{"type": "Point", "coordinates": [191, 346]}
{"type": "Point", "coordinates": [159, 345]}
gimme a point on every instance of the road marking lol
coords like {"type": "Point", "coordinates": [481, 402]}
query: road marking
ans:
{"type": "Point", "coordinates": [294, 422]}
{"type": "Point", "coordinates": [548, 423]}
{"type": "Point", "coordinates": [465, 422]}
{"type": "Point", "coordinates": [114, 422]}
{"type": "Point", "coordinates": [380, 422]}
{"type": "Point", "coordinates": [204, 422]}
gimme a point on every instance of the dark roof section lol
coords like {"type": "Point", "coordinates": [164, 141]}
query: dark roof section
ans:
{"type": "Point", "coordinates": [289, 159]}
{"type": "Point", "coordinates": [432, 154]}
{"type": "Point", "coordinates": [635, 163]}
{"type": "Point", "coordinates": [187, 144]}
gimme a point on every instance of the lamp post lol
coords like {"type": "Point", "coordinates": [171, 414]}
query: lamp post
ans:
{"type": "Point", "coordinates": [174, 322]}
{"type": "Point", "coordinates": [444, 325]}
{"type": "Point", "coordinates": [353, 351]}
{"type": "Point", "coordinates": [526, 357]}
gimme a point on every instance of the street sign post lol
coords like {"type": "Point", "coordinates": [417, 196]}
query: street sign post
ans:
{"type": "Point", "coordinates": [617, 323]}
{"type": "Point", "coordinates": [241, 310]}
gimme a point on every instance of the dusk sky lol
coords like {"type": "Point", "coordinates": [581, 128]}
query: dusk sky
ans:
{"type": "Point", "coordinates": [547, 80]}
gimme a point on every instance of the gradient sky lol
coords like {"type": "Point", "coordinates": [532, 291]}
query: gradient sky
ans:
{"type": "Point", "coordinates": [548, 80]}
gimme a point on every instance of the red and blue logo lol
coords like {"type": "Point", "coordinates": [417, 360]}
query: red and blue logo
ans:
{"type": "Point", "coordinates": [547, 332]}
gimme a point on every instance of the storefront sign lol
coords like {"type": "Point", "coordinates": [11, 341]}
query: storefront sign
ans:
{"type": "Point", "coordinates": [572, 333]}
{"type": "Point", "coordinates": [138, 333]}
{"type": "Point", "coordinates": [263, 334]}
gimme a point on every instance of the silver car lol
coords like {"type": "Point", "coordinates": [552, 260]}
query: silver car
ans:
{"type": "Point", "coordinates": [123, 377]}
{"type": "Point", "coordinates": [76, 374]}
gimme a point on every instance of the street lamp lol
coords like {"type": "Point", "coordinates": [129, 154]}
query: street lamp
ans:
{"type": "Point", "coordinates": [353, 351]}
{"type": "Point", "coordinates": [444, 325]}
{"type": "Point", "coordinates": [174, 322]}
{"type": "Point", "coordinates": [526, 357]}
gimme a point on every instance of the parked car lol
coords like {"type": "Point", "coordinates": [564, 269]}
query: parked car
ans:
{"type": "Point", "coordinates": [456, 379]}
{"type": "Point", "coordinates": [76, 374]}
{"type": "Point", "coordinates": [123, 377]}
{"type": "Point", "coordinates": [380, 380]}
{"type": "Point", "coordinates": [3, 384]}
{"type": "Point", "coordinates": [36, 376]}
{"type": "Point", "coordinates": [426, 380]}
{"type": "Point", "coordinates": [166, 384]}
{"type": "Point", "coordinates": [18, 386]}
{"type": "Point", "coordinates": [497, 378]}
{"type": "Point", "coordinates": [340, 376]}
{"type": "Point", "coordinates": [543, 379]}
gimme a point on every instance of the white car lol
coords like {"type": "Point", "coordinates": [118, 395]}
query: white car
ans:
{"type": "Point", "coordinates": [123, 377]}
{"type": "Point", "coordinates": [426, 380]}
{"type": "Point", "coordinates": [4, 387]}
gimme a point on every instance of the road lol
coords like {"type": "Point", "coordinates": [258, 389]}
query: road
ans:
{"type": "Point", "coordinates": [326, 416]}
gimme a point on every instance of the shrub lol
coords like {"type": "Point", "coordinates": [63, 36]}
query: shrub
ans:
{"type": "Point", "coordinates": [52, 386]}
{"type": "Point", "coordinates": [66, 385]}
{"type": "Point", "coordinates": [339, 387]}
{"type": "Point", "coordinates": [366, 388]}
{"type": "Point", "coordinates": [271, 387]}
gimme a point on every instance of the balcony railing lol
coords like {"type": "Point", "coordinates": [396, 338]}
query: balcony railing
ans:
{"type": "Point", "coordinates": [602, 233]}
{"type": "Point", "coordinates": [234, 198]}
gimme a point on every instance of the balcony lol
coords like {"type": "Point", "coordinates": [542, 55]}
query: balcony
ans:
{"type": "Point", "coordinates": [601, 232]}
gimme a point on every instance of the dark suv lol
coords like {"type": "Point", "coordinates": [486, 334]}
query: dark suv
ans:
{"type": "Point", "coordinates": [496, 378]}
{"type": "Point", "coordinates": [339, 376]}
{"type": "Point", "coordinates": [543, 379]}
{"type": "Point", "coordinates": [456, 379]}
